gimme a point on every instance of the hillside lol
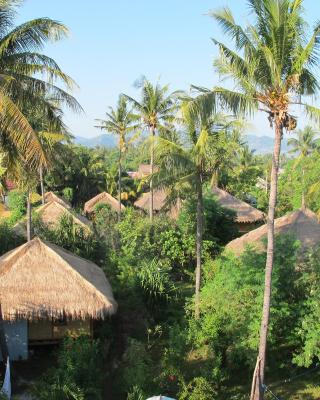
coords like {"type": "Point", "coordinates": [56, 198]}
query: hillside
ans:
{"type": "Point", "coordinates": [261, 144]}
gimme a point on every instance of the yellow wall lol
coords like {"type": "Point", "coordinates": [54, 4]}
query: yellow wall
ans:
{"type": "Point", "coordinates": [47, 330]}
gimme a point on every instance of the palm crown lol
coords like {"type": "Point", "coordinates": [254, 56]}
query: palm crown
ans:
{"type": "Point", "coordinates": [22, 68]}
{"type": "Point", "coordinates": [156, 106]}
{"type": "Point", "coordinates": [306, 142]}
{"type": "Point", "coordinates": [272, 63]}
{"type": "Point", "coordinates": [120, 122]}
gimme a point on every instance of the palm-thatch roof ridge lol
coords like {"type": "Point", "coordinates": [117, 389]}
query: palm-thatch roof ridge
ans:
{"type": "Point", "coordinates": [245, 213]}
{"type": "Point", "coordinates": [42, 280]}
{"type": "Point", "coordinates": [51, 212]}
{"type": "Point", "coordinates": [302, 224]}
{"type": "Point", "coordinates": [51, 196]}
{"type": "Point", "coordinates": [160, 198]}
{"type": "Point", "coordinates": [102, 198]}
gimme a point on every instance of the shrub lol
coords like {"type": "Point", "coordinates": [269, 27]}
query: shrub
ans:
{"type": "Point", "coordinates": [137, 366]}
{"type": "Point", "coordinates": [78, 374]}
{"type": "Point", "coordinates": [8, 239]}
{"type": "Point", "coordinates": [198, 389]}
{"type": "Point", "coordinates": [17, 204]}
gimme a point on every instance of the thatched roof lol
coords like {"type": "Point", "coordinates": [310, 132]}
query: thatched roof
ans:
{"type": "Point", "coordinates": [50, 214]}
{"type": "Point", "coordinates": [245, 213]}
{"type": "Point", "coordinates": [144, 170]}
{"type": "Point", "coordinates": [41, 280]}
{"type": "Point", "coordinates": [160, 198]}
{"type": "Point", "coordinates": [102, 198]}
{"type": "Point", "coordinates": [50, 196]}
{"type": "Point", "coordinates": [303, 224]}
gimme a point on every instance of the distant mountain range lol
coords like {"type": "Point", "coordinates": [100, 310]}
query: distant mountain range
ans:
{"type": "Point", "coordinates": [264, 144]}
{"type": "Point", "coordinates": [261, 144]}
{"type": "Point", "coordinates": [101, 140]}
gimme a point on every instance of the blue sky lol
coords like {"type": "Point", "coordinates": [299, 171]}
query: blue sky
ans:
{"type": "Point", "coordinates": [112, 43]}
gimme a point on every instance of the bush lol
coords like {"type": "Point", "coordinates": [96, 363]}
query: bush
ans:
{"type": "Point", "coordinates": [219, 227]}
{"type": "Point", "coordinates": [198, 389]}
{"type": "Point", "coordinates": [17, 204]}
{"type": "Point", "coordinates": [74, 238]}
{"type": "Point", "coordinates": [231, 303]}
{"type": "Point", "coordinates": [137, 366]}
{"type": "Point", "coordinates": [8, 239]}
{"type": "Point", "coordinates": [78, 374]}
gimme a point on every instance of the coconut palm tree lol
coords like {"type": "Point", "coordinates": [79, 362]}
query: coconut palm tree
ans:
{"type": "Point", "coordinates": [272, 64]}
{"type": "Point", "coordinates": [52, 133]}
{"type": "Point", "coordinates": [304, 145]}
{"type": "Point", "coordinates": [191, 161]}
{"type": "Point", "coordinates": [27, 76]}
{"type": "Point", "coordinates": [156, 109]}
{"type": "Point", "coordinates": [120, 122]}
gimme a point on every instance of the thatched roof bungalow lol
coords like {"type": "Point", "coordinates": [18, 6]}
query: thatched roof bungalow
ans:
{"type": "Point", "coordinates": [247, 217]}
{"type": "Point", "coordinates": [46, 291]}
{"type": "Point", "coordinates": [102, 198]}
{"type": "Point", "coordinates": [50, 214]}
{"type": "Point", "coordinates": [160, 198]}
{"type": "Point", "coordinates": [51, 196]}
{"type": "Point", "coordinates": [302, 224]}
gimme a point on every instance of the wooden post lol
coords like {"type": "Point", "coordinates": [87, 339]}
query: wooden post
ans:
{"type": "Point", "coordinates": [3, 341]}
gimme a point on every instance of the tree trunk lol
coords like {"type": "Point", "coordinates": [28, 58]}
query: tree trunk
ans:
{"type": "Point", "coordinates": [41, 184]}
{"type": "Point", "coordinates": [29, 218]}
{"type": "Point", "coordinates": [119, 183]}
{"type": "Point", "coordinates": [258, 378]}
{"type": "Point", "coordinates": [151, 172]}
{"type": "Point", "coordinates": [3, 341]}
{"type": "Point", "coordinates": [303, 199]}
{"type": "Point", "coordinates": [199, 246]}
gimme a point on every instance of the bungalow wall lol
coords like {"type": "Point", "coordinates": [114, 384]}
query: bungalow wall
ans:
{"type": "Point", "coordinates": [20, 334]}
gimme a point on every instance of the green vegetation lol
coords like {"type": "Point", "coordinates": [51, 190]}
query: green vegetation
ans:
{"type": "Point", "coordinates": [189, 322]}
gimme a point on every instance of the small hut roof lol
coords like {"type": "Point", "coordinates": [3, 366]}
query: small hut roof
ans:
{"type": "Point", "coordinates": [160, 198]}
{"type": "Point", "coordinates": [102, 198]}
{"type": "Point", "coordinates": [303, 224]}
{"type": "Point", "coordinates": [51, 196]}
{"type": "Point", "coordinates": [144, 170]}
{"type": "Point", "coordinates": [245, 213]}
{"type": "Point", "coordinates": [51, 212]}
{"type": "Point", "coordinates": [41, 280]}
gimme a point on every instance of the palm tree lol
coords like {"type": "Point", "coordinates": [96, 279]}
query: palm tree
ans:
{"type": "Point", "coordinates": [120, 122]}
{"type": "Point", "coordinates": [28, 76]}
{"type": "Point", "coordinates": [156, 109]}
{"type": "Point", "coordinates": [191, 161]}
{"type": "Point", "coordinates": [272, 65]}
{"type": "Point", "coordinates": [52, 133]}
{"type": "Point", "coordinates": [304, 145]}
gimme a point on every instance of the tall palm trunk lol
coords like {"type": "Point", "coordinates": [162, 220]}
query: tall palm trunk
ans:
{"type": "Point", "coordinates": [41, 184]}
{"type": "Point", "coordinates": [303, 197]}
{"type": "Point", "coordinates": [119, 183]}
{"type": "Point", "coordinates": [151, 171]}
{"type": "Point", "coordinates": [199, 245]}
{"type": "Point", "coordinates": [258, 378]}
{"type": "Point", "coordinates": [29, 217]}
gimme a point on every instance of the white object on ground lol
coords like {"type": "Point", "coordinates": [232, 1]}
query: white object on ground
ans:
{"type": "Point", "coordinates": [6, 387]}
{"type": "Point", "coordinates": [160, 398]}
